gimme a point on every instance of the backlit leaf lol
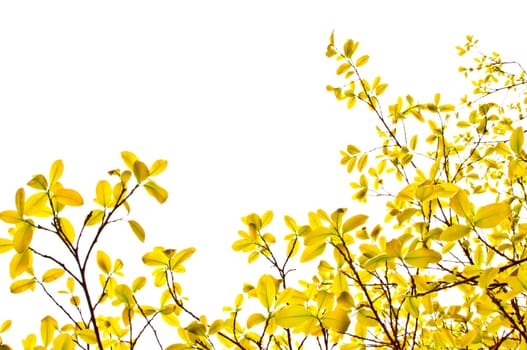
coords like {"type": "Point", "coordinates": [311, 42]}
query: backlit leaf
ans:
{"type": "Point", "coordinates": [52, 275]}
{"type": "Point", "coordinates": [312, 251]}
{"type": "Point", "coordinates": [87, 335]}
{"type": "Point", "coordinates": [491, 215]}
{"type": "Point", "coordinates": [104, 262]}
{"type": "Point", "coordinates": [461, 205]}
{"type": "Point", "coordinates": [140, 171]}
{"type": "Point", "coordinates": [23, 236]}
{"type": "Point", "coordinates": [36, 205]}
{"type": "Point", "coordinates": [361, 61]}
{"type": "Point", "coordinates": [336, 320]}
{"type": "Point", "coordinates": [137, 229]}
{"type": "Point", "coordinates": [5, 245]}
{"type": "Point", "coordinates": [293, 316]}
{"type": "Point", "coordinates": [354, 222]}
{"type": "Point", "coordinates": [63, 342]}
{"type": "Point", "coordinates": [422, 257]}
{"type": "Point", "coordinates": [517, 139]}
{"type": "Point", "coordinates": [255, 319]}
{"type": "Point", "coordinates": [10, 217]}
{"type": "Point", "coordinates": [156, 191]}
{"type": "Point", "coordinates": [103, 193]}
{"type": "Point", "coordinates": [20, 262]}
{"type": "Point", "coordinates": [5, 326]}
{"type": "Point", "coordinates": [38, 182]}
{"type": "Point", "coordinates": [266, 291]}
{"type": "Point", "coordinates": [129, 159]}
{"type": "Point", "coordinates": [454, 232]}
{"type": "Point", "coordinates": [22, 285]}
{"type": "Point", "coordinates": [48, 326]}
{"type": "Point", "coordinates": [55, 171]}
{"type": "Point", "coordinates": [158, 167]}
{"type": "Point", "coordinates": [20, 201]}
{"type": "Point", "coordinates": [68, 197]}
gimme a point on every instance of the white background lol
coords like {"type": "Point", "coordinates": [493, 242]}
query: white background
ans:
{"type": "Point", "coordinates": [231, 93]}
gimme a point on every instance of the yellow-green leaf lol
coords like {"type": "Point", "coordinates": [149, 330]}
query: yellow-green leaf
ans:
{"type": "Point", "coordinates": [87, 335]}
{"type": "Point", "coordinates": [138, 283]}
{"type": "Point", "coordinates": [38, 182]}
{"type": "Point", "coordinates": [20, 201]}
{"type": "Point", "coordinates": [48, 326]}
{"type": "Point", "coordinates": [266, 291]}
{"type": "Point", "coordinates": [137, 229]}
{"type": "Point", "coordinates": [124, 294]}
{"type": "Point", "coordinates": [156, 191]}
{"type": "Point", "coordinates": [454, 232]}
{"type": "Point", "coordinates": [63, 342]}
{"type": "Point", "coordinates": [312, 251]}
{"type": "Point", "coordinates": [517, 139]}
{"type": "Point", "coordinates": [68, 196]}
{"type": "Point", "coordinates": [103, 193]}
{"type": "Point", "coordinates": [158, 167]}
{"type": "Point", "coordinates": [52, 275]}
{"type": "Point", "coordinates": [104, 262]}
{"type": "Point", "coordinates": [336, 320]}
{"type": "Point", "coordinates": [22, 285]}
{"type": "Point", "coordinates": [354, 222]}
{"type": "Point", "coordinates": [491, 215]}
{"type": "Point", "coordinates": [140, 171]}
{"type": "Point", "coordinates": [55, 172]}
{"type": "Point", "coordinates": [293, 316]}
{"type": "Point", "coordinates": [95, 217]}
{"type": "Point", "coordinates": [129, 159]}
{"type": "Point", "coordinates": [422, 257]}
{"type": "Point", "coordinates": [155, 258]}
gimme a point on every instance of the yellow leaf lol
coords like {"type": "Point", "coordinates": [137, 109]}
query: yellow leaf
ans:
{"type": "Point", "coordinates": [104, 262]}
{"type": "Point", "coordinates": [20, 201]}
{"type": "Point", "coordinates": [63, 342]}
{"type": "Point", "coordinates": [158, 167]}
{"type": "Point", "coordinates": [36, 205]}
{"type": "Point", "coordinates": [461, 205]}
{"type": "Point", "coordinates": [517, 139]}
{"type": "Point", "coordinates": [336, 320]}
{"type": "Point", "coordinates": [312, 251]}
{"type": "Point", "coordinates": [422, 257]}
{"type": "Point", "coordinates": [67, 229]}
{"type": "Point", "coordinates": [10, 217]}
{"type": "Point", "coordinates": [124, 294]}
{"type": "Point", "coordinates": [343, 68]}
{"type": "Point", "coordinates": [354, 222]}
{"type": "Point", "coordinates": [38, 182]}
{"type": "Point", "coordinates": [48, 326]}
{"type": "Point", "coordinates": [140, 171]}
{"type": "Point", "coordinates": [22, 285]}
{"type": "Point", "coordinates": [87, 335]}
{"type": "Point", "coordinates": [68, 197]}
{"type": "Point", "coordinates": [103, 193]}
{"type": "Point", "coordinates": [137, 229]}
{"type": "Point", "coordinates": [406, 214]}
{"type": "Point", "coordinates": [138, 283]}
{"type": "Point", "coordinates": [55, 172]}
{"type": "Point", "coordinates": [155, 258]}
{"type": "Point", "coordinates": [293, 316]}
{"type": "Point", "coordinates": [156, 191]}
{"type": "Point", "coordinates": [366, 317]}
{"type": "Point", "coordinates": [129, 159]}
{"type": "Point", "coordinates": [361, 61]}
{"type": "Point", "coordinates": [95, 217]}
{"type": "Point", "coordinates": [20, 262]}
{"type": "Point", "coordinates": [454, 232]}
{"type": "Point", "coordinates": [291, 223]}
{"type": "Point", "coordinates": [266, 291]}
{"type": "Point", "coordinates": [393, 248]}
{"type": "Point", "coordinates": [491, 215]}
{"type": "Point", "coordinates": [23, 236]}
{"type": "Point", "coordinates": [52, 275]}
{"type": "Point", "coordinates": [487, 277]}
{"type": "Point", "coordinates": [255, 319]}
{"type": "Point", "coordinates": [5, 326]}
{"type": "Point", "coordinates": [180, 257]}
{"type": "Point", "coordinates": [348, 48]}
